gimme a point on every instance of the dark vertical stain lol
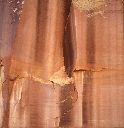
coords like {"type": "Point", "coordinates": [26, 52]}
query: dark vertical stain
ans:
{"type": "Point", "coordinates": [1, 18]}
{"type": "Point", "coordinates": [66, 104]}
{"type": "Point", "coordinates": [6, 93]}
{"type": "Point", "coordinates": [123, 21]}
{"type": "Point", "coordinates": [5, 87]}
{"type": "Point", "coordinates": [88, 81]}
{"type": "Point", "coordinates": [6, 21]}
{"type": "Point", "coordinates": [65, 93]}
{"type": "Point", "coordinates": [41, 27]}
{"type": "Point", "coordinates": [90, 46]}
{"type": "Point", "coordinates": [87, 98]}
{"type": "Point", "coordinates": [68, 52]}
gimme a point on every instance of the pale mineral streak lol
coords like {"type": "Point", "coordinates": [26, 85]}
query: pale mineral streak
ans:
{"type": "Point", "coordinates": [17, 106]}
{"type": "Point", "coordinates": [2, 79]}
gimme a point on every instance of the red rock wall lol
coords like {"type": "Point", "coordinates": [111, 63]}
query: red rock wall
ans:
{"type": "Point", "coordinates": [61, 64]}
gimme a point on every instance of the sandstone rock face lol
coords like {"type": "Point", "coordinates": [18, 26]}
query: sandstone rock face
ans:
{"type": "Point", "coordinates": [61, 63]}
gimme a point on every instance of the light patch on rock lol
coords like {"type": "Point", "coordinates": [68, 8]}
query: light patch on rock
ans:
{"type": "Point", "coordinates": [87, 5]}
{"type": "Point", "coordinates": [60, 77]}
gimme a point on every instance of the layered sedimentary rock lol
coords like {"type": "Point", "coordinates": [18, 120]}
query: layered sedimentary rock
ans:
{"type": "Point", "coordinates": [61, 64]}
